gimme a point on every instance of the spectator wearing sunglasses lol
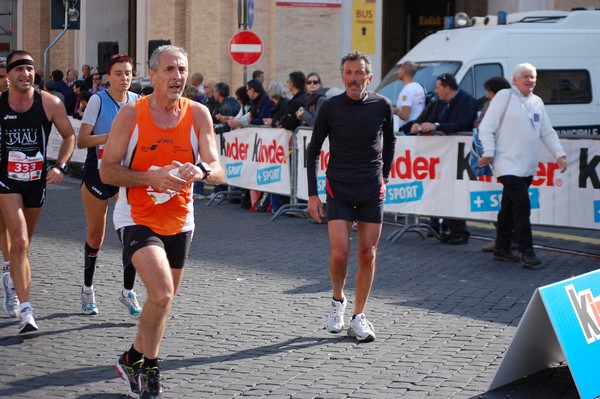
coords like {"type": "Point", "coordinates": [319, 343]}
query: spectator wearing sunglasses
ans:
{"type": "Point", "coordinates": [315, 96]}
{"type": "Point", "coordinates": [97, 84]}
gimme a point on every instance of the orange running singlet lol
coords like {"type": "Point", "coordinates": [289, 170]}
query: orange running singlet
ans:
{"type": "Point", "coordinates": [151, 147]}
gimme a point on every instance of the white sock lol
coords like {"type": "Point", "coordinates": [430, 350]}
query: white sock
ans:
{"type": "Point", "coordinates": [25, 305]}
{"type": "Point", "coordinates": [125, 293]}
{"type": "Point", "coordinates": [88, 290]}
{"type": "Point", "coordinates": [6, 265]}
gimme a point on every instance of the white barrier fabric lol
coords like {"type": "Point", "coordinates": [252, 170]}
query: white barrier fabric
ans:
{"type": "Point", "coordinates": [257, 158]}
{"type": "Point", "coordinates": [55, 140]}
{"type": "Point", "coordinates": [430, 177]}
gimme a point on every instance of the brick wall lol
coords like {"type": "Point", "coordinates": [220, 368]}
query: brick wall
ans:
{"type": "Point", "coordinates": [294, 38]}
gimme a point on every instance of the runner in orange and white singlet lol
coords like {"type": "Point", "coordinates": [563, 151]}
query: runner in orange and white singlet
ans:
{"type": "Point", "coordinates": [157, 148]}
{"type": "Point", "coordinates": [166, 213]}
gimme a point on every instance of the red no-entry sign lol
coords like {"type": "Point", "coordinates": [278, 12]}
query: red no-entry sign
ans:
{"type": "Point", "coordinates": [245, 47]}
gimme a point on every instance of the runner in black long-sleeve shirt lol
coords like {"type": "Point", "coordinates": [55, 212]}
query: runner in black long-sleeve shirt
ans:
{"type": "Point", "coordinates": [361, 146]}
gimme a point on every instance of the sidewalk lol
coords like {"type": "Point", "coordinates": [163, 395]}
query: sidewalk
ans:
{"type": "Point", "coordinates": [248, 320]}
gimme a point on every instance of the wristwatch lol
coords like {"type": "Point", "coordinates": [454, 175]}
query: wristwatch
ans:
{"type": "Point", "coordinates": [60, 166]}
{"type": "Point", "coordinates": [205, 169]}
{"type": "Point", "coordinates": [437, 124]}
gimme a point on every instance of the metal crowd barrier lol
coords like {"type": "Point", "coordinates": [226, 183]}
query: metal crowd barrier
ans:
{"type": "Point", "coordinates": [294, 207]}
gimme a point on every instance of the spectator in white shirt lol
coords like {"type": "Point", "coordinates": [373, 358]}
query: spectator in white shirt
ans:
{"type": "Point", "coordinates": [411, 100]}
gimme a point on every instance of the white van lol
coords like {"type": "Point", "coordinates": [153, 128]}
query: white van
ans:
{"type": "Point", "coordinates": [564, 46]}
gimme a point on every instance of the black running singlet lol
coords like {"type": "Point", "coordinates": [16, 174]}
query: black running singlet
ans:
{"type": "Point", "coordinates": [23, 141]}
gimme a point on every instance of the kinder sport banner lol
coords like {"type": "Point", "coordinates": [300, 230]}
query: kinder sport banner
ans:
{"type": "Point", "coordinates": [430, 176]}
{"type": "Point", "coordinates": [257, 158]}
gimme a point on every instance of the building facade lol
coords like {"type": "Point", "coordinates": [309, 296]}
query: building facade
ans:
{"type": "Point", "coordinates": [308, 35]}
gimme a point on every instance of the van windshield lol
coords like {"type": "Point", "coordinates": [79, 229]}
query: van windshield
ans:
{"type": "Point", "coordinates": [427, 73]}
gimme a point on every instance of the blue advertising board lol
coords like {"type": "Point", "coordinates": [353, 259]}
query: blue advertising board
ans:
{"type": "Point", "coordinates": [573, 306]}
{"type": "Point", "coordinates": [561, 322]}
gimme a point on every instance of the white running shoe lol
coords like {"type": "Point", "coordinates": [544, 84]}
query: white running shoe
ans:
{"type": "Point", "coordinates": [130, 302]}
{"type": "Point", "coordinates": [11, 300]}
{"type": "Point", "coordinates": [335, 320]}
{"type": "Point", "coordinates": [27, 322]}
{"type": "Point", "coordinates": [88, 302]}
{"type": "Point", "coordinates": [361, 328]}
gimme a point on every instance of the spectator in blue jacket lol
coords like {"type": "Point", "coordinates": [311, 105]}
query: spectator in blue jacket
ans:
{"type": "Point", "coordinates": [225, 108]}
{"type": "Point", "coordinates": [260, 106]}
{"type": "Point", "coordinates": [454, 111]}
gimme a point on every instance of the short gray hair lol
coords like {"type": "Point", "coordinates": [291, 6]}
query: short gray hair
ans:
{"type": "Point", "coordinates": [276, 90]}
{"type": "Point", "coordinates": [520, 68]}
{"type": "Point", "coordinates": [167, 48]}
{"type": "Point", "coordinates": [355, 56]}
{"type": "Point", "coordinates": [409, 67]}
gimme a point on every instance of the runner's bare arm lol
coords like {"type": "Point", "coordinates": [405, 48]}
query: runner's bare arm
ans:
{"type": "Point", "coordinates": [207, 143]}
{"type": "Point", "coordinates": [85, 138]}
{"type": "Point", "coordinates": [57, 114]}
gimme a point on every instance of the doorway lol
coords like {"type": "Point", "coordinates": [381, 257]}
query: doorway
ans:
{"type": "Point", "coordinates": [407, 22]}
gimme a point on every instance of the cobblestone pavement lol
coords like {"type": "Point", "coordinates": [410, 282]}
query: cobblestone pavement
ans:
{"type": "Point", "coordinates": [248, 320]}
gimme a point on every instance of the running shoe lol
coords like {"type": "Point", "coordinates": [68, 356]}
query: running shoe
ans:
{"type": "Point", "coordinates": [149, 383]}
{"type": "Point", "coordinates": [88, 302]}
{"type": "Point", "coordinates": [361, 329]}
{"type": "Point", "coordinates": [130, 374]}
{"type": "Point", "coordinates": [130, 303]}
{"type": "Point", "coordinates": [335, 320]}
{"type": "Point", "coordinates": [27, 323]}
{"type": "Point", "coordinates": [11, 300]}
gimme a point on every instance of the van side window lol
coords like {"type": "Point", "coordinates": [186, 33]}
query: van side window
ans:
{"type": "Point", "coordinates": [564, 86]}
{"type": "Point", "coordinates": [474, 79]}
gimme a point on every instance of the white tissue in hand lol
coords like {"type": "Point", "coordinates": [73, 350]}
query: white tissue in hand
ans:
{"type": "Point", "coordinates": [157, 196]}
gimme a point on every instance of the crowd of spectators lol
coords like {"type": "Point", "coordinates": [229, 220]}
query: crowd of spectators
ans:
{"type": "Point", "coordinates": [295, 103]}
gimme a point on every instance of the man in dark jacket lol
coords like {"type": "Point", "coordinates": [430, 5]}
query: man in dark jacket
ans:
{"type": "Point", "coordinates": [454, 111]}
{"type": "Point", "coordinates": [260, 105]}
{"type": "Point", "coordinates": [62, 87]}
{"type": "Point", "coordinates": [226, 107]}
{"type": "Point", "coordinates": [296, 82]}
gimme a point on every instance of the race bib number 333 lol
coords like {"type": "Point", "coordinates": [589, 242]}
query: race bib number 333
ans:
{"type": "Point", "coordinates": [24, 168]}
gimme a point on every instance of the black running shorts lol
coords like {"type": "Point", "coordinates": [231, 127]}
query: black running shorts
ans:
{"type": "Point", "coordinates": [360, 202]}
{"type": "Point", "coordinates": [33, 192]}
{"type": "Point", "coordinates": [138, 237]}
{"type": "Point", "coordinates": [91, 179]}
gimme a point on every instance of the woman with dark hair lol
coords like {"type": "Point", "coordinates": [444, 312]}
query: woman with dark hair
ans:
{"type": "Point", "coordinates": [82, 100]}
{"type": "Point", "coordinates": [78, 87]}
{"type": "Point", "coordinates": [492, 86]}
{"type": "Point", "coordinates": [97, 120]}
{"type": "Point", "coordinates": [242, 96]}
